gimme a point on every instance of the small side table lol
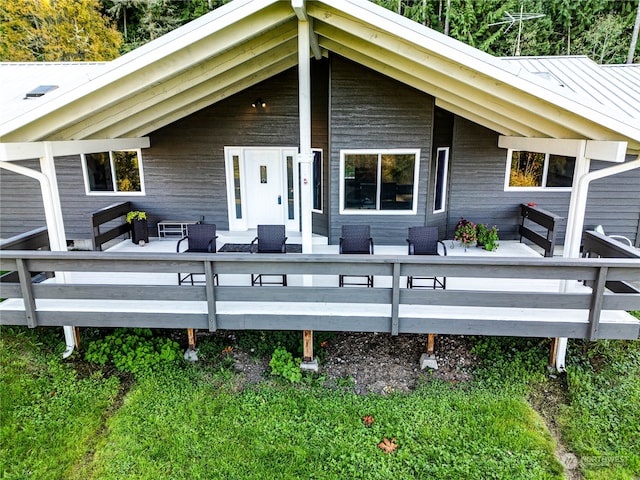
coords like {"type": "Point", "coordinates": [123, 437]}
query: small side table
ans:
{"type": "Point", "coordinates": [174, 228]}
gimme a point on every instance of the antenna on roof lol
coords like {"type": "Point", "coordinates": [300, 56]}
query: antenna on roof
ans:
{"type": "Point", "coordinates": [512, 19]}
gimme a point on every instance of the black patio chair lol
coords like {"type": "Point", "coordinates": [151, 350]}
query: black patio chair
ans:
{"type": "Point", "coordinates": [424, 241]}
{"type": "Point", "coordinates": [356, 239]}
{"type": "Point", "coordinates": [201, 238]}
{"type": "Point", "coordinates": [270, 239]}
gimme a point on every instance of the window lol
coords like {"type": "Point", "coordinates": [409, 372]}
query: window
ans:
{"type": "Point", "coordinates": [534, 170]}
{"type": "Point", "coordinates": [316, 174]}
{"type": "Point", "coordinates": [379, 181]}
{"type": "Point", "coordinates": [109, 173]}
{"type": "Point", "coordinates": [442, 172]}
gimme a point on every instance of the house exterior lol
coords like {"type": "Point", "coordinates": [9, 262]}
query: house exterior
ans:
{"type": "Point", "coordinates": [400, 126]}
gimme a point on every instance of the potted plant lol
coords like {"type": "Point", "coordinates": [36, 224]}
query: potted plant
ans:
{"type": "Point", "coordinates": [487, 237]}
{"type": "Point", "coordinates": [139, 227]}
{"type": "Point", "coordinates": [465, 233]}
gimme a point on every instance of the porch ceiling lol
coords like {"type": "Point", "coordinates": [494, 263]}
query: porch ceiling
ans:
{"type": "Point", "coordinates": [248, 41]}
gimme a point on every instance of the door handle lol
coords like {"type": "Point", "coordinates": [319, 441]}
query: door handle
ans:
{"type": "Point", "coordinates": [279, 199]}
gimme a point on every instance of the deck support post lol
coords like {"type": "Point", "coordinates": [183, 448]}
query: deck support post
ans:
{"type": "Point", "coordinates": [192, 352]}
{"type": "Point", "coordinates": [308, 362]}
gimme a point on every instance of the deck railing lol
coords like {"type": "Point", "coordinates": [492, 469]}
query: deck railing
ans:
{"type": "Point", "coordinates": [135, 290]}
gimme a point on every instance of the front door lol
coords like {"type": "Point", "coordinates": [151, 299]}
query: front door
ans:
{"type": "Point", "coordinates": [261, 187]}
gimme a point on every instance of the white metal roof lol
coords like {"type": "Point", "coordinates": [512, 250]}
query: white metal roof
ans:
{"type": "Point", "coordinates": [615, 88]}
{"type": "Point", "coordinates": [247, 41]}
{"type": "Point", "coordinates": [19, 78]}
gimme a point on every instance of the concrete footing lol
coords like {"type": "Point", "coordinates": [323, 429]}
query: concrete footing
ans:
{"type": "Point", "coordinates": [191, 355]}
{"type": "Point", "coordinates": [309, 366]}
{"type": "Point", "coordinates": [428, 361]}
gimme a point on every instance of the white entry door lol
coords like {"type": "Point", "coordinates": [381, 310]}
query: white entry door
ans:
{"type": "Point", "coordinates": [262, 187]}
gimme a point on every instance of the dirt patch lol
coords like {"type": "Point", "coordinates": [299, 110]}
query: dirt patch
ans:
{"type": "Point", "coordinates": [378, 363]}
{"type": "Point", "coordinates": [548, 400]}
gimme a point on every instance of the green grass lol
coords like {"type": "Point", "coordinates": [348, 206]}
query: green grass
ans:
{"type": "Point", "coordinates": [49, 415]}
{"type": "Point", "coordinates": [602, 422]}
{"type": "Point", "coordinates": [181, 425]}
{"type": "Point", "coordinates": [200, 421]}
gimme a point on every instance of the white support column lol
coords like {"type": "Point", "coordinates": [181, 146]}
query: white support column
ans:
{"type": "Point", "coordinates": [305, 158]}
{"type": "Point", "coordinates": [57, 235]}
{"type": "Point", "coordinates": [575, 220]}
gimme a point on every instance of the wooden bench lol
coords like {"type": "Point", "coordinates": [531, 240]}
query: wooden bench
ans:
{"type": "Point", "coordinates": [540, 218]}
{"type": "Point", "coordinates": [107, 215]}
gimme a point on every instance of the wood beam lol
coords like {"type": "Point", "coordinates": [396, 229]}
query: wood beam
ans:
{"type": "Point", "coordinates": [153, 123]}
{"type": "Point", "coordinates": [248, 54]}
{"type": "Point", "coordinates": [417, 44]}
{"type": "Point", "coordinates": [462, 90]}
{"type": "Point", "coordinates": [131, 78]}
{"type": "Point", "coordinates": [469, 100]}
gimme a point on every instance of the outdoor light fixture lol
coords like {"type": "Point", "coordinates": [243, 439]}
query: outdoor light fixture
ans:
{"type": "Point", "coordinates": [258, 102]}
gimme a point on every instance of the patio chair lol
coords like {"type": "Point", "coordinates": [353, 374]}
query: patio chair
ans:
{"type": "Point", "coordinates": [600, 229]}
{"type": "Point", "coordinates": [424, 241]}
{"type": "Point", "coordinates": [356, 239]}
{"type": "Point", "coordinates": [201, 238]}
{"type": "Point", "coordinates": [270, 239]}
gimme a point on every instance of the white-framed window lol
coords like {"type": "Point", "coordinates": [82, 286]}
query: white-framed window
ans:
{"type": "Point", "coordinates": [441, 180]}
{"type": "Point", "coordinates": [113, 173]}
{"type": "Point", "coordinates": [317, 181]}
{"type": "Point", "coordinates": [379, 181]}
{"type": "Point", "coordinates": [538, 171]}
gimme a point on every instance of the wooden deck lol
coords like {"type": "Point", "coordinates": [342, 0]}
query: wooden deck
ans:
{"type": "Point", "coordinates": [512, 291]}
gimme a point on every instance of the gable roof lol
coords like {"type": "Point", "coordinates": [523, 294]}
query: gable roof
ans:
{"type": "Point", "coordinates": [247, 41]}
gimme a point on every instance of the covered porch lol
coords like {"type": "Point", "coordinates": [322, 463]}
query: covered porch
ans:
{"type": "Point", "coordinates": [512, 291]}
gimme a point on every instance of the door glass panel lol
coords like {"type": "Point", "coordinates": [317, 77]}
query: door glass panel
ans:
{"type": "Point", "coordinates": [290, 205]}
{"type": "Point", "coordinates": [236, 185]}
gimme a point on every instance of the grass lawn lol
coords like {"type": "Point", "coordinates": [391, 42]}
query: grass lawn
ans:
{"type": "Point", "coordinates": [201, 422]}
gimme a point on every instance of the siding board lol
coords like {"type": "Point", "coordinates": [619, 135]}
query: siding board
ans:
{"type": "Point", "coordinates": [369, 110]}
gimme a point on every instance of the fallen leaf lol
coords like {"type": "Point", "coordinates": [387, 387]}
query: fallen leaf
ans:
{"type": "Point", "coordinates": [227, 350]}
{"type": "Point", "coordinates": [324, 344]}
{"type": "Point", "coordinates": [387, 445]}
{"type": "Point", "coordinates": [368, 420]}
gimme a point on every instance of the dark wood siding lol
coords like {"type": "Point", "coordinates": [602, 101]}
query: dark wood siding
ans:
{"type": "Point", "coordinates": [477, 190]}
{"type": "Point", "coordinates": [184, 169]}
{"type": "Point", "coordinates": [21, 208]}
{"type": "Point", "coordinates": [614, 203]}
{"type": "Point", "coordinates": [320, 136]}
{"type": "Point", "coordinates": [370, 111]}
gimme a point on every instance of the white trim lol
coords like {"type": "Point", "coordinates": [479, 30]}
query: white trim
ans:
{"type": "Point", "coordinates": [114, 192]}
{"type": "Point", "coordinates": [379, 152]}
{"type": "Point", "coordinates": [445, 180]}
{"type": "Point", "coordinates": [543, 187]}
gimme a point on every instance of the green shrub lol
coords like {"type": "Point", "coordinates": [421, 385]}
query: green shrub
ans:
{"type": "Point", "coordinates": [133, 350]}
{"type": "Point", "coordinates": [282, 364]}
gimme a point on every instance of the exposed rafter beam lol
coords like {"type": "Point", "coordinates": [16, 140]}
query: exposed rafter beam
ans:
{"type": "Point", "coordinates": [29, 150]}
{"type": "Point", "coordinates": [284, 37]}
{"type": "Point", "coordinates": [512, 89]}
{"type": "Point", "coordinates": [129, 80]}
{"type": "Point", "coordinates": [442, 88]}
{"type": "Point", "coordinates": [414, 41]}
{"type": "Point", "coordinates": [594, 149]}
{"type": "Point", "coordinates": [153, 122]}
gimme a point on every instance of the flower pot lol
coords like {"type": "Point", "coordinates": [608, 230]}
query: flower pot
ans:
{"type": "Point", "coordinates": [139, 232]}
